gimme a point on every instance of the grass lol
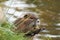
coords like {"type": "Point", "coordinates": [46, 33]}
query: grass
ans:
{"type": "Point", "coordinates": [7, 34]}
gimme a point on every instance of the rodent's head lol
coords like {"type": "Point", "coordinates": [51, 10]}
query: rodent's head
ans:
{"type": "Point", "coordinates": [29, 21]}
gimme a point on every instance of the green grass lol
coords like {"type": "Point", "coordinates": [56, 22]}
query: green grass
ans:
{"type": "Point", "coordinates": [6, 33]}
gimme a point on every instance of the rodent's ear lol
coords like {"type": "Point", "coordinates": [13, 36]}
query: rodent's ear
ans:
{"type": "Point", "coordinates": [25, 16]}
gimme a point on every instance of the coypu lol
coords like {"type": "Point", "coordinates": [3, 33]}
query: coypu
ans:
{"type": "Point", "coordinates": [27, 23]}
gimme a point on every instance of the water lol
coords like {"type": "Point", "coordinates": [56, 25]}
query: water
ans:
{"type": "Point", "coordinates": [38, 36]}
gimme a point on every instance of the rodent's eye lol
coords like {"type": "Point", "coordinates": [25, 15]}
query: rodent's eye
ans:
{"type": "Point", "coordinates": [25, 16]}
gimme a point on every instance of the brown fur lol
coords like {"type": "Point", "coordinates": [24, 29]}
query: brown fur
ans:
{"type": "Point", "coordinates": [25, 24]}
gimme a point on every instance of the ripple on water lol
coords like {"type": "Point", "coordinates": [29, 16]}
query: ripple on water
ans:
{"type": "Point", "coordinates": [37, 36]}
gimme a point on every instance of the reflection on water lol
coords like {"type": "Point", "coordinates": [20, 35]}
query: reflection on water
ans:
{"type": "Point", "coordinates": [38, 36]}
{"type": "Point", "coordinates": [49, 35]}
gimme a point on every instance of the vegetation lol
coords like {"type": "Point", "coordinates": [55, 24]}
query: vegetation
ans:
{"type": "Point", "coordinates": [7, 34]}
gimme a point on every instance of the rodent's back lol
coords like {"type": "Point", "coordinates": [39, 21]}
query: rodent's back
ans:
{"type": "Point", "coordinates": [27, 23]}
